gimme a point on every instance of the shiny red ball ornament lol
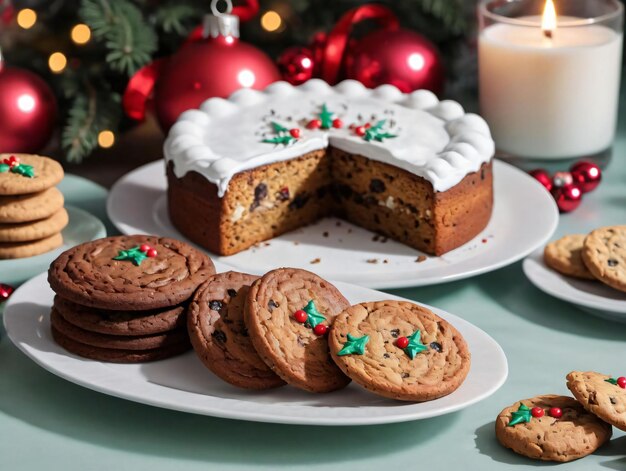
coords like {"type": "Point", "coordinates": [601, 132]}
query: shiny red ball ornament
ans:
{"type": "Point", "coordinates": [402, 58]}
{"type": "Point", "coordinates": [296, 65]}
{"type": "Point", "coordinates": [556, 412]}
{"type": "Point", "coordinates": [5, 291]}
{"type": "Point", "coordinates": [621, 382]}
{"type": "Point", "coordinates": [212, 67]}
{"type": "Point", "coordinates": [320, 329]}
{"type": "Point", "coordinates": [151, 253]}
{"type": "Point", "coordinates": [537, 412]}
{"type": "Point", "coordinates": [295, 132]}
{"type": "Point", "coordinates": [562, 179]}
{"type": "Point", "coordinates": [337, 123]}
{"type": "Point", "coordinates": [402, 342]}
{"type": "Point", "coordinates": [300, 316]}
{"type": "Point", "coordinates": [314, 124]}
{"type": "Point", "coordinates": [28, 111]}
{"type": "Point", "coordinates": [543, 177]}
{"type": "Point", "coordinates": [586, 175]}
{"type": "Point", "coordinates": [567, 197]}
{"type": "Point", "coordinates": [144, 247]}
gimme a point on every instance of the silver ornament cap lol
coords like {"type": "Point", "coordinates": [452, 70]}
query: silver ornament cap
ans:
{"type": "Point", "coordinates": [221, 23]}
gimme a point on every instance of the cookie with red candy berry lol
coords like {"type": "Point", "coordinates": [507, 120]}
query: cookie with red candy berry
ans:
{"type": "Point", "coordinates": [602, 395]}
{"type": "Point", "coordinates": [22, 174]}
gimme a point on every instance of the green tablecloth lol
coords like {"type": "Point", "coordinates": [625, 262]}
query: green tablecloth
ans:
{"type": "Point", "coordinates": [49, 423]}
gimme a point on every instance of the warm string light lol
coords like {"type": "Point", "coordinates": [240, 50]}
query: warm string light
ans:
{"type": "Point", "coordinates": [26, 18]}
{"type": "Point", "coordinates": [271, 21]}
{"type": "Point", "coordinates": [81, 34]}
{"type": "Point", "coordinates": [57, 62]}
{"type": "Point", "coordinates": [106, 139]}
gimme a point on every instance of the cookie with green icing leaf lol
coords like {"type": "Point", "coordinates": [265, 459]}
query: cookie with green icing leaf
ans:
{"type": "Point", "coordinates": [22, 174]}
{"type": "Point", "coordinates": [601, 394]}
{"type": "Point", "coordinates": [399, 350]}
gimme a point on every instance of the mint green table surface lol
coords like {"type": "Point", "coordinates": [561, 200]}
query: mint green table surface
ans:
{"type": "Point", "coordinates": [48, 423]}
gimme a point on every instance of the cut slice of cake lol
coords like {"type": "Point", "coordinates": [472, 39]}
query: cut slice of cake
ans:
{"type": "Point", "coordinates": [259, 164]}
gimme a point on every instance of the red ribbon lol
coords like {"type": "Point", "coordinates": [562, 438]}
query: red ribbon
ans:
{"type": "Point", "coordinates": [141, 85]}
{"type": "Point", "coordinates": [337, 40]}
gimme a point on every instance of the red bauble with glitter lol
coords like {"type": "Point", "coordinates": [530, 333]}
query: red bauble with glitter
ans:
{"type": "Point", "coordinates": [212, 67]}
{"type": "Point", "coordinates": [586, 175]}
{"type": "Point", "coordinates": [28, 111]}
{"type": "Point", "coordinates": [296, 65]}
{"type": "Point", "coordinates": [567, 197]}
{"type": "Point", "coordinates": [5, 291]}
{"type": "Point", "coordinates": [402, 58]}
{"type": "Point", "coordinates": [543, 177]}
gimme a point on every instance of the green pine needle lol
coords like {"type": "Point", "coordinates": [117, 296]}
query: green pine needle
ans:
{"type": "Point", "coordinates": [175, 18]}
{"type": "Point", "coordinates": [450, 12]}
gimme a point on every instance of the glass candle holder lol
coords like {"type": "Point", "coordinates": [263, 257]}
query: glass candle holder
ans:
{"type": "Point", "coordinates": [549, 77]}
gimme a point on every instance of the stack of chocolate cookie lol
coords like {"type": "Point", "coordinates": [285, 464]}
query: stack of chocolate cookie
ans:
{"type": "Point", "coordinates": [31, 208]}
{"type": "Point", "coordinates": [123, 299]}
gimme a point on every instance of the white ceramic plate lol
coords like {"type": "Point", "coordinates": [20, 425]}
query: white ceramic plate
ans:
{"type": "Point", "coordinates": [593, 296]}
{"type": "Point", "coordinates": [184, 384]}
{"type": "Point", "coordinates": [524, 218]}
{"type": "Point", "coordinates": [82, 227]}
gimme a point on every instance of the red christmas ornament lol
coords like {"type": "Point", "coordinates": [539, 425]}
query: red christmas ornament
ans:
{"type": "Point", "coordinates": [621, 382]}
{"type": "Point", "coordinates": [537, 412]}
{"type": "Point", "coordinates": [5, 291]}
{"type": "Point", "coordinates": [28, 110]}
{"type": "Point", "coordinates": [296, 65]}
{"type": "Point", "coordinates": [556, 412]}
{"type": "Point", "coordinates": [543, 177]}
{"type": "Point", "coordinates": [300, 316]}
{"type": "Point", "coordinates": [402, 342]}
{"type": "Point", "coordinates": [567, 197]}
{"type": "Point", "coordinates": [586, 175]}
{"type": "Point", "coordinates": [402, 58]}
{"type": "Point", "coordinates": [562, 179]}
{"type": "Point", "coordinates": [320, 329]}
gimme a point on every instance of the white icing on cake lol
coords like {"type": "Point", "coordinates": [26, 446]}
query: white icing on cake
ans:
{"type": "Point", "coordinates": [434, 139]}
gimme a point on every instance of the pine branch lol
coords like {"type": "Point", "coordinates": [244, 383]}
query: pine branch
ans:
{"type": "Point", "coordinates": [120, 26]}
{"type": "Point", "coordinates": [176, 18]}
{"type": "Point", "coordinates": [450, 12]}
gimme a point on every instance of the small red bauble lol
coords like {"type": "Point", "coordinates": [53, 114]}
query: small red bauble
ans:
{"type": "Point", "coordinates": [621, 382]}
{"type": "Point", "coordinates": [586, 175]}
{"type": "Point", "coordinates": [296, 65]}
{"type": "Point", "coordinates": [5, 291]}
{"type": "Point", "coordinates": [300, 316]}
{"type": "Point", "coordinates": [543, 177]}
{"type": "Point", "coordinates": [537, 412]}
{"type": "Point", "coordinates": [567, 197]}
{"type": "Point", "coordinates": [556, 412]}
{"type": "Point", "coordinates": [151, 253]}
{"type": "Point", "coordinates": [314, 124]}
{"type": "Point", "coordinates": [337, 123]}
{"type": "Point", "coordinates": [320, 329]}
{"type": "Point", "coordinates": [402, 342]}
{"type": "Point", "coordinates": [295, 132]}
{"type": "Point", "coordinates": [360, 130]}
{"type": "Point", "coordinates": [144, 247]}
{"type": "Point", "coordinates": [562, 179]}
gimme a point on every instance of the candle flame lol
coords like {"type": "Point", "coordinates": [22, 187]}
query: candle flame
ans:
{"type": "Point", "coordinates": [548, 21]}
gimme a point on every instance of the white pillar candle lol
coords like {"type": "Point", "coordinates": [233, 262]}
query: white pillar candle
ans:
{"type": "Point", "coordinates": [550, 97]}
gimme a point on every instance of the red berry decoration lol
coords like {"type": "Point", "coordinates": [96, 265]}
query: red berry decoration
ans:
{"type": "Point", "coordinates": [567, 197]}
{"type": "Point", "coordinates": [314, 124]}
{"type": "Point", "coordinates": [543, 177]}
{"type": "Point", "coordinates": [621, 382]}
{"type": "Point", "coordinates": [360, 130]}
{"type": "Point", "coordinates": [586, 175]}
{"type": "Point", "coordinates": [300, 316]}
{"type": "Point", "coordinates": [556, 412]}
{"type": "Point", "coordinates": [295, 132]}
{"type": "Point", "coordinates": [402, 342]}
{"type": "Point", "coordinates": [5, 291]}
{"type": "Point", "coordinates": [367, 125]}
{"type": "Point", "coordinates": [337, 123]}
{"type": "Point", "coordinates": [537, 412]}
{"type": "Point", "coordinates": [144, 248]}
{"type": "Point", "coordinates": [320, 329]}
{"type": "Point", "coordinates": [151, 253]}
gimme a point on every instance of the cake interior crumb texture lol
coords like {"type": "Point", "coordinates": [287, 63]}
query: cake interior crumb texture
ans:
{"type": "Point", "coordinates": [273, 199]}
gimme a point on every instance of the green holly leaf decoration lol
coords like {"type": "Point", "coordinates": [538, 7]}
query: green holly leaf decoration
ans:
{"type": "Point", "coordinates": [522, 415]}
{"type": "Point", "coordinates": [613, 381]}
{"type": "Point", "coordinates": [326, 117]}
{"type": "Point", "coordinates": [314, 317]}
{"type": "Point", "coordinates": [279, 128]}
{"type": "Point", "coordinates": [134, 255]}
{"type": "Point", "coordinates": [354, 345]}
{"type": "Point", "coordinates": [415, 345]}
{"type": "Point", "coordinates": [376, 133]}
{"type": "Point", "coordinates": [4, 168]}
{"type": "Point", "coordinates": [24, 170]}
{"type": "Point", "coordinates": [282, 135]}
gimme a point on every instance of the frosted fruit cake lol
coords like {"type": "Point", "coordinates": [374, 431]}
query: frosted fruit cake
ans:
{"type": "Point", "coordinates": [261, 163]}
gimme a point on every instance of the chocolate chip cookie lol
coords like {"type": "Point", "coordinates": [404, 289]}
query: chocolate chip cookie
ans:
{"type": "Point", "coordinates": [24, 173]}
{"type": "Point", "coordinates": [133, 273]}
{"type": "Point", "coordinates": [551, 428]}
{"type": "Point", "coordinates": [219, 335]}
{"type": "Point", "coordinates": [564, 256]}
{"type": "Point", "coordinates": [604, 254]}
{"type": "Point", "coordinates": [30, 207]}
{"type": "Point", "coordinates": [288, 313]}
{"type": "Point", "coordinates": [399, 350]}
{"type": "Point", "coordinates": [601, 395]}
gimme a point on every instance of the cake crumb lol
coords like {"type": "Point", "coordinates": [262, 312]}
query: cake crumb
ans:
{"type": "Point", "coordinates": [385, 261]}
{"type": "Point", "coordinates": [349, 231]}
{"type": "Point", "coordinates": [315, 260]}
{"type": "Point", "coordinates": [338, 224]}
{"type": "Point", "coordinates": [295, 242]}
{"type": "Point", "coordinates": [421, 258]}
{"type": "Point", "coordinates": [372, 260]}
{"type": "Point", "coordinates": [325, 234]}
{"type": "Point", "coordinates": [384, 240]}
{"type": "Point", "coordinates": [266, 244]}
{"type": "Point", "coordinates": [375, 238]}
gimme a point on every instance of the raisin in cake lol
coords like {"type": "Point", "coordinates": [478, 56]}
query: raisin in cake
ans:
{"type": "Point", "coordinates": [260, 163]}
